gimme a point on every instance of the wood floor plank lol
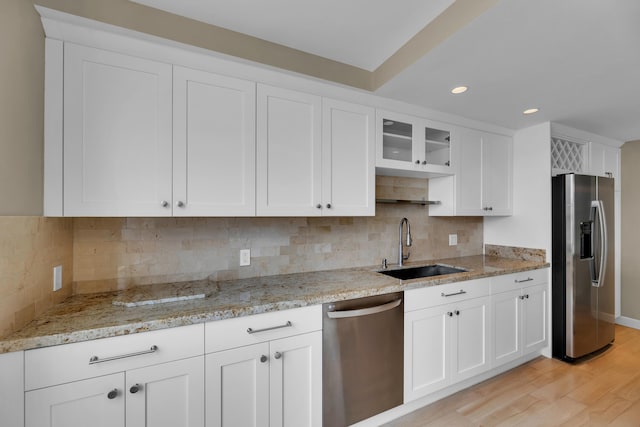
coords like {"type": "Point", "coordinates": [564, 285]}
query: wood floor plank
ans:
{"type": "Point", "coordinates": [602, 391]}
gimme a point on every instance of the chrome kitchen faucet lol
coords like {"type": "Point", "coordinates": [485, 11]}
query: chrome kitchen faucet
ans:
{"type": "Point", "coordinates": [401, 256]}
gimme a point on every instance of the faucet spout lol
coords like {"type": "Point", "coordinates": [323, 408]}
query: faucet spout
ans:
{"type": "Point", "coordinates": [401, 256]}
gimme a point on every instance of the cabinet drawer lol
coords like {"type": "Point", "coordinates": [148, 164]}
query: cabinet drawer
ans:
{"type": "Point", "coordinates": [432, 296]}
{"type": "Point", "coordinates": [247, 330]}
{"type": "Point", "coordinates": [509, 282]}
{"type": "Point", "coordinates": [72, 362]}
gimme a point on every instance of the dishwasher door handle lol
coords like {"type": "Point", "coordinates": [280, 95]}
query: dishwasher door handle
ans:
{"type": "Point", "coordinates": [364, 311]}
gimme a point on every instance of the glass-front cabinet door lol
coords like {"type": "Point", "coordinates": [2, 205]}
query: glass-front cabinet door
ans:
{"type": "Point", "coordinates": [437, 146]}
{"type": "Point", "coordinates": [396, 139]}
{"type": "Point", "coordinates": [408, 145]}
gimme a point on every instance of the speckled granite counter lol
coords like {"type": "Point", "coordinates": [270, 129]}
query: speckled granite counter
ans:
{"type": "Point", "coordinates": [87, 317]}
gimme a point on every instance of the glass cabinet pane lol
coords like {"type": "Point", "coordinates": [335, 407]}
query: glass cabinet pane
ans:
{"type": "Point", "coordinates": [397, 140]}
{"type": "Point", "coordinates": [437, 146]}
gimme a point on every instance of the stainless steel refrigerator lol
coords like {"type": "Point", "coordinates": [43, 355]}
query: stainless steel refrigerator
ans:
{"type": "Point", "coordinates": [582, 265]}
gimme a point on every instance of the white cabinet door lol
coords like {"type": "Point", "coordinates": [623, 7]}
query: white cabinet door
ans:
{"type": "Point", "coordinates": [166, 395]}
{"type": "Point", "coordinates": [289, 151]}
{"type": "Point", "coordinates": [117, 134]}
{"type": "Point", "coordinates": [507, 326]}
{"type": "Point", "coordinates": [96, 402]}
{"type": "Point", "coordinates": [238, 387]}
{"type": "Point", "coordinates": [348, 159]}
{"type": "Point", "coordinates": [213, 144]}
{"type": "Point", "coordinates": [497, 174]}
{"type": "Point", "coordinates": [468, 179]}
{"type": "Point", "coordinates": [426, 356]}
{"type": "Point", "coordinates": [534, 314]}
{"type": "Point", "coordinates": [604, 160]}
{"type": "Point", "coordinates": [296, 381]}
{"type": "Point", "coordinates": [470, 344]}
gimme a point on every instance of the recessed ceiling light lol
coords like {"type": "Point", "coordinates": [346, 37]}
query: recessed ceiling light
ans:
{"type": "Point", "coordinates": [530, 111]}
{"type": "Point", "coordinates": [459, 89]}
{"type": "Point", "coordinates": [388, 122]}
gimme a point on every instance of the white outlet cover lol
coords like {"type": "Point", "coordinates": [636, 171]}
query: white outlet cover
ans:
{"type": "Point", "coordinates": [245, 257]}
{"type": "Point", "coordinates": [57, 278]}
{"type": "Point", "coordinates": [453, 239]}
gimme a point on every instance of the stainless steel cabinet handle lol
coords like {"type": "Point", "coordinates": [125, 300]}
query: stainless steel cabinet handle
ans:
{"type": "Point", "coordinates": [461, 292]}
{"type": "Point", "coordinates": [277, 355]}
{"type": "Point", "coordinates": [112, 394]}
{"type": "Point", "coordinates": [263, 358]}
{"type": "Point", "coordinates": [95, 359]}
{"type": "Point", "coordinates": [164, 203]}
{"type": "Point", "coordinates": [135, 388]}
{"type": "Point", "coordinates": [528, 279]}
{"type": "Point", "coordinates": [253, 331]}
{"type": "Point", "coordinates": [363, 311]}
{"type": "Point", "coordinates": [180, 204]}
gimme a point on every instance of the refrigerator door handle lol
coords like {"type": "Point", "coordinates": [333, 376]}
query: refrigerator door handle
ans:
{"type": "Point", "coordinates": [597, 206]}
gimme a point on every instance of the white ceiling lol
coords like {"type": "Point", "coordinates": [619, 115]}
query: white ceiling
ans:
{"type": "Point", "coordinates": [576, 60]}
{"type": "Point", "coordinates": [363, 33]}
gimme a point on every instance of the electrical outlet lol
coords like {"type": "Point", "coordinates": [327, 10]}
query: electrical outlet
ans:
{"type": "Point", "coordinates": [57, 278]}
{"type": "Point", "coordinates": [245, 257]}
{"type": "Point", "coordinates": [453, 239]}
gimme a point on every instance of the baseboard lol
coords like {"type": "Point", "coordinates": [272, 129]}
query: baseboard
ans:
{"type": "Point", "coordinates": [628, 321]}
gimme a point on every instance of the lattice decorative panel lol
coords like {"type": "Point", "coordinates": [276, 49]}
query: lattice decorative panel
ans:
{"type": "Point", "coordinates": [567, 155]}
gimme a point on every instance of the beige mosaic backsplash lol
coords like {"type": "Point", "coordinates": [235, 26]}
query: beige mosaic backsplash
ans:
{"type": "Point", "coordinates": [117, 253]}
{"type": "Point", "coordinates": [29, 249]}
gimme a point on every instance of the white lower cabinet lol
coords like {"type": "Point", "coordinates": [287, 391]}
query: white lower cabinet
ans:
{"type": "Point", "coordinates": [277, 381]}
{"type": "Point", "coordinates": [166, 395]}
{"type": "Point", "coordinates": [520, 316]}
{"type": "Point", "coordinates": [148, 379]}
{"type": "Point", "coordinates": [97, 402]}
{"type": "Point", "coordinates": [446, 343]}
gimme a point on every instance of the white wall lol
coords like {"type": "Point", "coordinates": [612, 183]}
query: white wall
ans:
{"type": "Point", "coordinates": [530, 225]}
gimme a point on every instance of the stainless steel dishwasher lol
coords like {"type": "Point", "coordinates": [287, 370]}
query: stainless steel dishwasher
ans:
{"type": "Point", "coordinates": [362, 358]}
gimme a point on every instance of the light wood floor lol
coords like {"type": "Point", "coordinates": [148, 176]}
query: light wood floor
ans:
{"type": "Point", "coordinates": [604, 391]}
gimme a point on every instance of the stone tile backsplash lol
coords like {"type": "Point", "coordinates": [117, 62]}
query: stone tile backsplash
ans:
{"type": "Point", "coordinates": [29, 249]}
{"type": "Point", "coordinates": [118, 253]}
{"type": "Point", "coordinates": [101, 254]}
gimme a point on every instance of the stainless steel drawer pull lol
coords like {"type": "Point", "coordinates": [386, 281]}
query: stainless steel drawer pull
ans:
{"type": "Point", "coordinates": [461, 292]}
{"type": "Point", "coordinates": [95, 359]}
{"type": "Point", "coordinates": [528, 279]}
{"type": "Point", "coordinates": [253, 331]}
{"type": "Point", "coordinates": [363, 311]}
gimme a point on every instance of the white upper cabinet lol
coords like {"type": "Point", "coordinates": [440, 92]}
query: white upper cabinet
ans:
{"type": "Point", "coordinates": [604, 160]}
{"type": "Point", "coordinates": [213, 145]}
{"type": "Point", "coordinates": [483, 181]}
{"type": "Point", "coordinates": [117, 134]}
{"type": "Point", "coordinates": [289, 153]}
{"type": "Point", "coordinates": [314, 155]}
{"type": "Point", "coordinates": [412, 146]}
{"type": "Point", "coordinates": [497, 174]}
{"type": "Point", "coordinates": [348, 164]}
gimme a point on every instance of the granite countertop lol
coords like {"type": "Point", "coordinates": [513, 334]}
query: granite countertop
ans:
{"type": "Point", "coordinates": [109, 314]}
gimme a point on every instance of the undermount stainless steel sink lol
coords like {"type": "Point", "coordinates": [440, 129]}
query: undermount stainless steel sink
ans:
{"type": "Point", "coordinates": [425, 271]}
